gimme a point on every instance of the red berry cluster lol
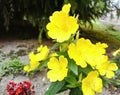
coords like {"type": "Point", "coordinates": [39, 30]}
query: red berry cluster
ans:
{"type": "Point", "coordinates": [22, 88]}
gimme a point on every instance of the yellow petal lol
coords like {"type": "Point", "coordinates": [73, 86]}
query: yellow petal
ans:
{"type": "Point", "coordinates": [81, 62]}
{"type": "Point", "coordinates": [58, 68]}
{"type": "Point", "coordinates": [92, 83]}
{"type": "Point", "coordinates": [87, 91]}
{"type": "Point", "coordinates": [32, 56]}
{"type": "Point", "coordinates": [62, 74]}
{"type": "Point", "coordinates": [66, 8]}
{"type": "Point", "coordinates": [63, 61]}
{"type": "Point", "coordinates": [110, 74]}
{"type": "Point", "coordinates": [42, 55]}
{"type": "Point", "coordinates": [53, 63]}
{"type": "Point", "coordinates": [26, 68]}
{"type": "Point", "coordinates": [40, 48]}
{"type": "Point", "coordinates": [52, 75]}
{"type": "Point", "coordinates": [53, 54]}
{"type": "Point", "coordinates": [97, 86]}
{"type": "Point", "coordinates": [113, 67]}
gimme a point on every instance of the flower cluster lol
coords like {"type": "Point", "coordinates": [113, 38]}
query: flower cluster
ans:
{"type": "Point", "coordinates": [78, 63]}
{"type": "Point", "coordinates": [83, 52]}
{"type": "Point", "coordinates": [22, 88]}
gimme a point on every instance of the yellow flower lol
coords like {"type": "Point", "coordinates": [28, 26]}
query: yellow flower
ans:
{"type": "Point", "coordinates": [32, 66]}
{"type": "Point", "coordinates": [26, 68]}
{"type": "Point", "coordinates": [107, 69]}
{"type": "Point", "coordinates": [58, 69]}
{"type": "Point", "coordinates": [41, 55]}
{"type": "Point", "coordinates": [61, 25]}
{"type": "Point", "coordinates": [83, 52]}
{"type": "Point", "coordinates": [92, 83]}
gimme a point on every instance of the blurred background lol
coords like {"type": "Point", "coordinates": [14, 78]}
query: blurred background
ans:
{"type": "Point", "coordinates": [28, 18]}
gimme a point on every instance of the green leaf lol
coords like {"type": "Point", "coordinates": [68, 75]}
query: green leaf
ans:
{"type": "Point", "coordinates": [72, 81]}
{"type": "Point", "coordinates": [116, 82]}
{"type": "Point", "coordinates": [80, 78]}
{"type": "Point", "coordinates": [73, 67]}
{"type": "Point", "coordinates": [105, 82]}
{"type": "Point", "coordinates": [40, 35]}
{"type": "Point", "coordinates": [55, 87]}
{"type": "Point", "coordinates": [75, 91]}
{"type": "Point", "coordinates": [43, 64]}
{"type": "Point", "coordinates": [55, 46]}
{"type": "Point", "coordinates": [85, 71]}
{"type": "Point", "coordinates": [102, 4]}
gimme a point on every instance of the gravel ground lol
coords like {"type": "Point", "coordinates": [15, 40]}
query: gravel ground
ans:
{"type": "Point", "coordinates": [22, 48]}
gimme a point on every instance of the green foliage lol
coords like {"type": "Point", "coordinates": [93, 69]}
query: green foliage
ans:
{"type": "Point", "coordinates": [75, 91]}
{"type": "Point", "coordinates": [11, 67]}
{"type": "Point", "coordinates": [89, 9]}
{"type": "Point", "coordinates": [73, 67]}
{"type": "Point", "coordinates": [72, 81]}
{"type": "Point", "coordinates": [56, 86]}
